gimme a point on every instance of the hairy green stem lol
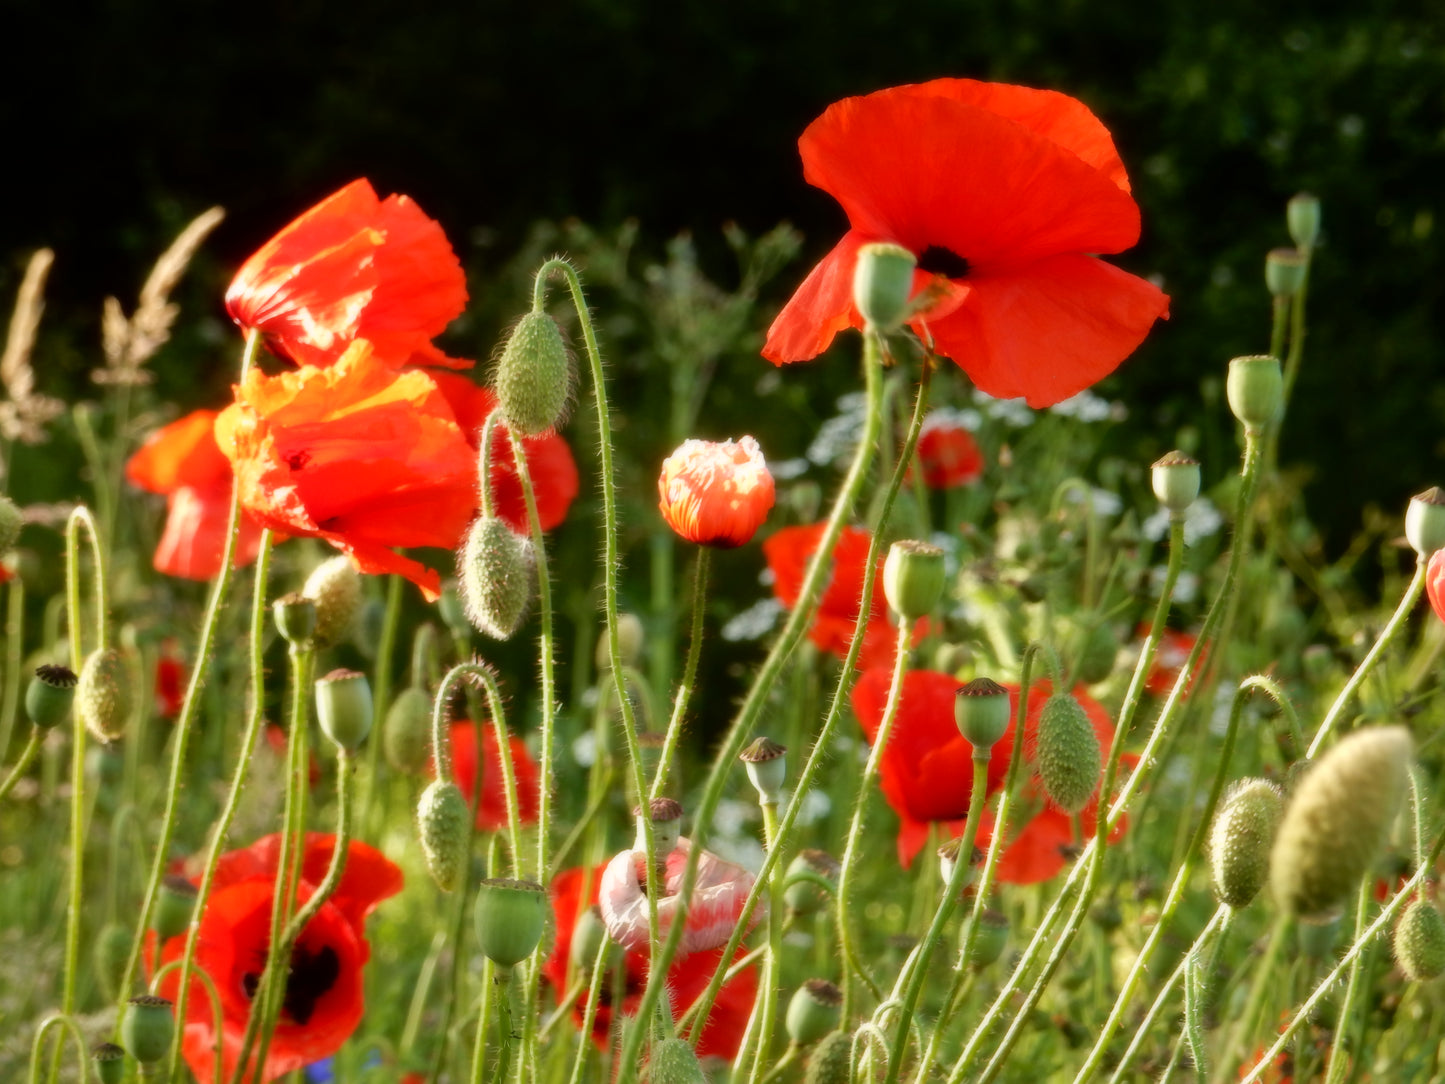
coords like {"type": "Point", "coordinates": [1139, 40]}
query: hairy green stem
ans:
{"type": "Point", "coordinates": [14, 653]}
{"type": "Point", "coordinates": [381, 687]}
{"type": "Point", "coordinates": [689, 674]}
{"type": "Point", "coordinates": [37, 1047]}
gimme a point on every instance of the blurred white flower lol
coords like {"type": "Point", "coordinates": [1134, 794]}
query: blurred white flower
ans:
{"type": "Point", "coordinates": [1086, 406]}
{"type": "Point", "coordinates": [785, 470]}
{"type": "Point", "coordinates": [754, 622]}
{"type": "Point", "coordinates": [952, 418]}
{"type": "Point", "coordinates": [1201, 521]}
{"type": "Point", "coordinates": [1106, 504]}
{"type": "Point", "coordinates": [1186, 587]}
{"type": "Point", "coordinates": [1014, 413]}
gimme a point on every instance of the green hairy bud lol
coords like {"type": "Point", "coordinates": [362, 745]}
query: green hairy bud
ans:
{"type": "Point", "coordinates": [1420, 942]}
{"type": "Point", "coordinates": [533, 378]}
{"type": "Point", "coordinates": [441, 817]}
{"type": "Point", "coordinates": [1241, 838]}
{"type": "Point", "coordinates": [1069, 758]}
{"type": "Point", "coordinates": [496, 569]}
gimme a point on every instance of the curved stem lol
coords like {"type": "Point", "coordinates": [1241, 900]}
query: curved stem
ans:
{"type": "Point", "coordinates": [27, 757]}
{"type": "Point", "coordinates": [689, 674]}
{"type": "Point", "coordinates": [218, 1016]}
{"type": "Point", "coordinates": [1338, 1061]}
{"type": "Point", "coordinates": [37, 1047]}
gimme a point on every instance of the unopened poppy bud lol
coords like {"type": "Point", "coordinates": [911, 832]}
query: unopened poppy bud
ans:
{"type": "Point", "coordinates": [883, 283]}
{"type": "Point", "coordinates": [335, 587]}
{"type": "Point", "coordinates": [1176, 481]}
{"type": "Point", "coordinates": [666, 817]}
{"type": "Point", "coordinates": [716, 493]}
{"type": "Point", "coordinates": [767, 767]}
{"type": "Point", "coordinates": [295, 616]}
{"type": "Point", "coordinates": [1284, 271]}
{"type": "Point", "coordinates": [1255, 389]}
{"type": "Point", "coordinates": [630, 636]}
{"type": "Point", "coordinates": [805, 897]}
{"type": "Point", "coordinates": [831, 1060]}
{"type": "Point", "coordinates": [50, 696]}
{"type": "Point", "coordinates": [1420, 942]}
{"type": "Point", "coordinates": [1241, 838]}
{"type": "Point", "coordinates": [148, 1028]}
{"type": "Point", "coordinates": [441, 817]}
{"type": "Point", "coordinates": [509, 916]}
{"type": "Point", "coordinates": [673, 1061]}
{"type": "Point", "coordinates": [981, 711]}
{"type": "Point", "coordinates": [107, 1061]}
{"type": "Point", "coordinates": [990, 940]}
{"type": "Point", "coordinates": [533, 378]}
{"type": "Point", "coordinates": [344, 708]}
{"type": "Point", "coordinates": [104, 696]}
{"type": "Point", "coordinates": [1336, 822]}
{"type": "Point", "coordinates": [814, 1011]}
{"type": "Point", "coordinates": [1302, 217]}
{"type": "Point", "coordinates": [497, 567]}
{"type": "Point", "coordinates": [175, 904]}
{"type": "Point", "coordinates": [1069, 758]}
{"type": "Point", "coordinates": [110, 952]}
{"type": "Point", "coordinates": [406, 732]}
{"type": "Point", "coordinates": [1425, 521]}
{"type": "Point", "coordinates": [10, 524]}
{"type": "Point", "coordinates": [913, 578]}
{"type": "Point", "coordinates": [453, 612]}
{"type": "Point", "coordinates": [1097, 654]}
{"type": "Point", "coordinates": [587, 937]}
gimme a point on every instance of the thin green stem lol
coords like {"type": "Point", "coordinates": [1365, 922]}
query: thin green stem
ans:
{"type": "Point", "coordinates": [381, 687]}
{"type": "Point", "coordinates": [218, 1016]}
{"type": "Point", "coordinates": [484, 1020]}
{"type": "Point", "coordinates": [772, 970]}
{"type": "Point", "coordinates": [689, 674]}
{"type": "Point", "coordinates": [14, 650]}
{"type": "Point", "coordinates": [1338, 1061]}
{"type": "Point", "coordinates": [1260, 992]}
{"type": "Point", "coordinates": [589, 1009]}
{"type": "Point", "coordinates": [22, 765]}
{"type": "Point", "coordinates": [37, 1047]}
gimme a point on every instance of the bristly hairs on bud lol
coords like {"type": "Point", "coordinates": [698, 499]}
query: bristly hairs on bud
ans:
{"type": "Point", "coordinates": [1069, 757]}
{"type": "Point", "coordinates": [1241, 838]}
{"type": "Point", "coordinates": [335, 586]}
{"type": "Point", "coordinates": [534, 375]}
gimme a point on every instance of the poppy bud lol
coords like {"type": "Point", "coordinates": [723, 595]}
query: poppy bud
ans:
{"type": "Point", "coordinates": [10, 524]}
{"type": "Point", "coordinates": [453, 612]}
{"type": "Point", "coordinates": [295, 616]}
{"type": "Point", "coordinates": [50, 696]}
{"type": "Point", "coordinates": [1425, 521]}
{"type": "Point", "coordinates": [814, 1011]}
{"type": "Point", "coordinates": [406, 732]}
{"type": "Point", "coordinates": [587, 937]}
{"type": "Point", "coordinates": [509, 916]}
{"type": "Point", "coordinates": [1069, 758]}
{"type": "Point", "coordinates": [716, 494]}
{"type": "Point", "coordinates": [1097, 655]}
{"type": "Point", "coordinates": [989, 942]}
{"type": "Point", "coordinates": [767, 767]}
{"type": "Point", "coordinates": [1284, 271]}
{"type": "Point", "coordinates": [981, 711]}
{"type": "Point", "coordinates": [883, 283]}
{"type": "Point", "coordinates": [1255, 389]}
{"type": "Point", "coordinates": [630, 637]}
{"type": "Point", "coordinates": [335, 587]}
{"type": "Point", "coordinates": [1176, 481]}
{"type": "Point", "coordinates": [148, 1028]}
{"type": "Point", "coordinates": [175, 903]}
{"type": "Point", "coordinates": [441, 817]}
{"type": "Point", "coordinates": [496, 568]}
{"type": "Point", "coordinates": [1336, 822]}
{"type": "Point", "coordinates": [1420, 942]}
{"type": "Point", "coordinates": [666, 817]}
{"type": "Point", "coordinates": [108, 1062]}
{"type": "Point", "coordinates": [533, 379]}
{"type": "Point", "coordinates": [103, 696]}
{"type": "Point", "coordinates": [913, 578]}
{"type": "Point", "coordinates": [673, 1061]}
{"type": "Point", "coordinates": [110, 952]}
{"type": "Point", "coordinates": [804, 897]}
{"type": "Point", "coordinates": [1240, 840]}
{"type": "Point", "coordinates": [831, 1060]}
{"type": "Point", "coordinates": [1302, 216]}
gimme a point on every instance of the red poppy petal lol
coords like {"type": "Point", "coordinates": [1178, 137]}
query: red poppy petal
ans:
{"type": "Point", "coordinates": [1435, 583]}
{"type": "Point", "coordinates": [194, 539]}
{"type": "Point", "coordinates": [820, 308]}
{"type": "Point", "coordinates": [183, 453]}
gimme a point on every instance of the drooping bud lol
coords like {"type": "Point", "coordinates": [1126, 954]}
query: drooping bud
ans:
{"type": "Point", "coordinates": [175, 904]}
{"type": "Point", "coordinates": [767, 767]}
{"type": "Point", "coordinates": [335, 587]}
{"type": "Point", "coordinates": [1097, 654]}
{"type": "Point", "coordinates": [1241, 838]}
{"type": "Point", "coordinates": [831, 1060]}
{"type": "Point", "coordinates": [1176, 481]}
{"type": "Point", "coordinates": [913, 578]}
{"type": "Point", "coordinates": [344, 708]}
{"type": "Point", "coordinates": [1284, 271]}
{"type": "Point", "coordinates": [990, 940]}
{"type": "Point", "coordinates": [148, 1028]}
{"type": "Point", "coordinates": [50, 695]}
{"type": "Point", "coordinates": [295, 616]}
{"type": "Point", "coordinates": [981, 711]}
{"type": "Point", "coordinates": [883, 283]}
{"type": "Point", "coordinates": [441, 817]}
{"type": "Point", "coordinates": [406, 732]}
{"type": "Point", "coordinates": [804, 897]}
{"type": "Point", "coordinates": [103, 696]}
{"type": "Point", "coordinates": [107, 1061]}
{"type": "Point", "coordinates": [1425, 522]}
{"type": "Point", "coordinates": [110, 952]}
{"type": "Point", "coordinates": [1420, 942]}
{"type": "Point", "coordinates": [673, 1061]}
{"type": "Point", "coordinates": [630, 636]}
{"type": "Point", "coordinates": [1255, 389]}
{"type": "Point", "coordinates": [1069, 759]}
{"type": "Point", "coordinates": [10, 524]}
{"type": "Point", "coordinates": [1302, 217]}
{"type": "Point", "coordinates": [814, 1011]}
{"type": "Point", "coordinates": [1336, 822]}
{"type": "Point", "coordinates": [533, 378]}
{"type": "Point", "coordinates": [497, 567]}
{"type": "Point", "coordinates": [666, 817]}
{"type": "Point", "coordinates": [509, 916]}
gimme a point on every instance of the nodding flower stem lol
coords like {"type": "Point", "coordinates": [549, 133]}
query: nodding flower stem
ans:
{"type": "Point", "coordinates": [689, 673]}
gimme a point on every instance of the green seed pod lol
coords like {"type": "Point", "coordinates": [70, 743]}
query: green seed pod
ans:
{"type": "Point", "coordinates": [673, 1062]}
{"type": "Point", "coordinates": [1069, 759]}
{"type": "Point", "coordinates": [989, 942]}
{"type": "Point", "coordinates": [441, 817]}
{"type": "Point", "coordinates": [883, 284]}
{"type": "Point", "coordinates": [814, 1011]}
{"type": "Point", "coordinates": [533, 378]}
{"type": "Point", "coordinates": [335, 587]}
{"type": "Point", "coordinates": [1425, 521]}
{"type": "Point", "coordinates": [767, 767]}
{"type": "Point", "coordinates": [1336, 822]}
{"type": "Point", "coordinates": [175, 903]}
{"type": "Point", "coordinates": [110, 952]}
{"type": "Point", "coordinates": [1302, 217]}
{"type": "Point", "coordinates": [497, 567]}
{"type": "Point", "coordinates": [406, 732]}
{"type": "Point", "coordinates": [1255, 389]}
{"type": "Point", "coordinates": [1175, 478]}
{"type": "Point", "coordinates": [148, 1028]}
{"type": "Point", "coordinates": [804, 897]}
{"type": "Point", "coordinates": [107, 1061]}
{"type": "Point", "coordinates": [50, 696]}
{"type": "Point", "coordinates": [509, 916]}
{"type": "Point", "coordinates": [1284, 271]}
{"type": "Point", "coordinates": [104, 698]}
{"type": "Point", "coordinates": [1240, 840]}
{"type": "Point", "coordinates": [344, 708]}
{"type": "Point", "coordinates": [982, 711]}
{"type": "Point", "coordinates": [630, 638]}
{"type": "Point", "coordinates": [10, 524]}
{"type": "Point", "coordinates": [295, 617]}
{"type": "Point", "coordinates": [1097, 654]}
{"type": "Point", "coordinates": [1420, 942]}
{"type": "Point", "coordinates": [831, 1060]}
{"type": "Point", "coordinates": [913, 578]}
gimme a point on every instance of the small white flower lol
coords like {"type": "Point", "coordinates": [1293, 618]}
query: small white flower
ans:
{"type": "Point", "coordinates": [785, 470]}
{"type": "Point", "coordinates": [1106, 504]}
{"type": "Point", "coordinates": [1186, 587]}
{"type": "Point", "coordinates": [1200, 521]}
{"type": "Point", "coordinates": [1086, 406]}
{"type": "Point", "coordinates": [1014, 413]}
{"type": "Point", "coordinates": [584, 748]}
{"type": "Point", "coordinates": [754, 622]}
{"type": "Point", "coordinates": [952, 418]}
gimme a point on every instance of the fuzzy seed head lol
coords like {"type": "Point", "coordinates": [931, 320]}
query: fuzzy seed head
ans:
{"type": "Point", "coordinates": [533, 378]}
{"type": "Point", "coordinates": [496, 567]}
{"type": "Point", "coordinates": [441, 817]}
{"type": "Point", "coordinates": [673, 1062]}
{"type": "Point", "coordinates": [104, 697]}
{"type": "Point", "coordinates": [1241, 838]}
{"type": "Point", "coordinates": [830, 1061]}
{"type": "Point", "coordinates": [406, 732]}
{"type": "Point", "coordinates": [1420, 942]}
{"type": "Point", "coordinates": [1069, 758]}
{"type": "Point", "coordinates": [335, 587]}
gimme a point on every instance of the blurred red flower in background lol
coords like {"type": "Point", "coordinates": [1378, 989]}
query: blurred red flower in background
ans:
{"type": "Point", "coordinates": [1435, 583]}
{"type": "Point", "coordinates": [492, 807]}
{"type": "Point", "coordinates": [716, 494]}
{"type": "Point", "coordinates": [948, 454]}
{"type": "Point", "coordinates": [1169, 659]}
{"type": "Point", "coordinates": [170, 685]}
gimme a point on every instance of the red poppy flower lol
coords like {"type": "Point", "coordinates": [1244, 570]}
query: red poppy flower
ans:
{"type": "Point", "coordinates": [323, 999]}
{"type": "Point", "coordinates": [353, 267]}
{"type": "Point", "coordinates": [1005, 194]}
{"type": "Point", "coordinates": [182, 461]}
{"type": "Point", "coordinates": [492, 809]}
{"type": "Point", "coordinates": [170, 686]}
{"type": "Point", "coordinates": [1435, 583]}
{"type": "Point", "coordinates": [927, 769]}
{"type": "Point", "coordinates": [686, 978]}
{"type": "Point", "coordinates": [948, 454]}
{"type": "Point", "coordinates": [1173, 653]}
{"type": "Point", "coordinates": [714, 907]}
{"type": "Point", "coordinates": [716, 494]}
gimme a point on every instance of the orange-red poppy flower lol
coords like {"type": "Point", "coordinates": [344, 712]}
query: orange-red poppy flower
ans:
{"type": "Point", "coordinates": [1435, 583]}
{"type": "Point", "coordinates": [686, 978]}
{"type": "Point", "coordinates": [353, 267]}
{"type": "Point", "coordinates": [170, 685]}
{"type": "Point", "coordinates": [323, 999]}
{"type": "Point", "coordinates": [182, 461]}
{"type": "Point", "coordinates": [716, 494]}
{"type": "Point", "coordinates": [1006, 195]}
{"type": "Point", "coordinates": [927, 769]}
{"type": "Point", "coordinates": [492, 806]}
{"type": "Point", "coordinates": [948, 454]}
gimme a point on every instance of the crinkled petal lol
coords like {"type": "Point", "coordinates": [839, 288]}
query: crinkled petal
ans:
{"type": "Point", "coordinates": [821, 307]}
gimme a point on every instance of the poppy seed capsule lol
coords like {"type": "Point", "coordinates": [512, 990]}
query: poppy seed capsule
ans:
{"type": "Point", "coordinates": [1069, 758]}
{"type": "Point", "coordinates": [913, 578]}
{"type": "Point", "coordinates": [981, 710]}
{"type": "Point", "coordinates": [103, 696]}
{"type": "Point", "coordinates": [496, 568]}
{"type": "Point", "coordinates": [1255, 389]}
{"type": "Point", "coordinates": [831, 1060]}
{"type": "Point", "coordinates": [1336, 822]}
{"type": "Point", "coordinates": [335, 586]}
{"type": "Point", "coordinates": [148, 1028]}
{"type": "Point", "coordinates": [295, 617]}
{"type": "Point", "coordinates": [108, 1062]}
{"type": "Point", "coordinates": [441, 818]}
{"type": "Point", "coordinates": [767, 767]}
{"type": "Point", "coordinates": [1240, 840]}
{"type": "Point", "coordinates": [673, 1061]}
{"type": "Point", "coordinates": [344, 708]}
{"type": "Point", "coordinates": [406, 732]}
{"type": "Point", "coordinates": [883, 283]}
{"type": "Point", "coordinates": [509, 916]}
{"type": "Point", "coordinates": [1175, 478]}
{"type": "Point", "coordinates": [805, 897]}
{"type": "Point", "coordinates": [1302, 217]}
{"type": "Point", "coordinates": [1284, 271]}
{"type": "Point", "coordinates": [175, 903]}
{"type": "Point", "coordinates": [814, 1011]}
{"type": "Point", "coordinates": [1425, 521]}
{"type": "Point", "coordinates": [989, 942]}
{"type": "Point", "coordinates": [666, 817]}
{"type": "Point", "coordinates": [50, 696]}
{"type": "Point", "coordinates": [10, 524]}
{"type": "Point", "coordinates": [110, 952]}
{"type": "Point", "coordinates": [1420, 942]}
{"type": "Point", "coordinates": [533, 378]}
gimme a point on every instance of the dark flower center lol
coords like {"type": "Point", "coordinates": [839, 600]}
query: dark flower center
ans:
{"type": "Point", "coordinates": [311, 975]}
{"type": "Point", "coordinates": [937, 260]}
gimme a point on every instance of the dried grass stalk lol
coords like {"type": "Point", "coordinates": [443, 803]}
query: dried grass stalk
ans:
{"type": "Point", "coordinates": [24, 413]}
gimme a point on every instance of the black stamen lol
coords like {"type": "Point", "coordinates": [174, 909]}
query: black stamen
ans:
{"type": "Point", "coordinates": [938, 260]}
{"type": "Point", "coordinates": [311, 976]}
